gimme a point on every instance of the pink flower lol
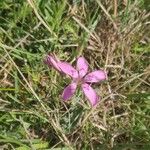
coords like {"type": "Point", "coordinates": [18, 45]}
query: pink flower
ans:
{"type": "Point", "coordinates": [51, 60]}
{"type": "Point", "coordinates": [79, 77]}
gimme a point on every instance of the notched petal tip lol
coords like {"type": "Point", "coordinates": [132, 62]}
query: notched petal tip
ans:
{"type": "Point", "coordinates": [52, 61]}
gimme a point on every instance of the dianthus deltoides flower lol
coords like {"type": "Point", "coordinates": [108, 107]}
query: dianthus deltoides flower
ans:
{"type": "Point", "coordinates": [80, 76]}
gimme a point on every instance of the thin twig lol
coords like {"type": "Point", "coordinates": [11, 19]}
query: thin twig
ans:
{"type": "Point", "coordinates": [115, 8]}
{"type": "Point", "coordinates": [107, 14]}
{"type": "Point", "coordinates": [31, 3]}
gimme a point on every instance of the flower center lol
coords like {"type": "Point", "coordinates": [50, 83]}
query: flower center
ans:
{"type": "Point", "coordinates": [78, 80]}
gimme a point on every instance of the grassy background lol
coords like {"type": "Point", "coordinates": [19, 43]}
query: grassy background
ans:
{"type": "Point", "coordinates": [111, 35]}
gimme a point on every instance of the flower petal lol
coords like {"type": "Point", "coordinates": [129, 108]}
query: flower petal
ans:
{"type": "Point", "coordinates": [68, 69]}
{"type": "Point", "coordinates": [90, 94]}
{"type": "Point", "coordinates": [82, 66]}
{"type": "Point", "coordinates": [95, 76]}
{"type": "Point", "coordinates": [53, 61]}
{"type": "Point", "coordinates": [69, 91]}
